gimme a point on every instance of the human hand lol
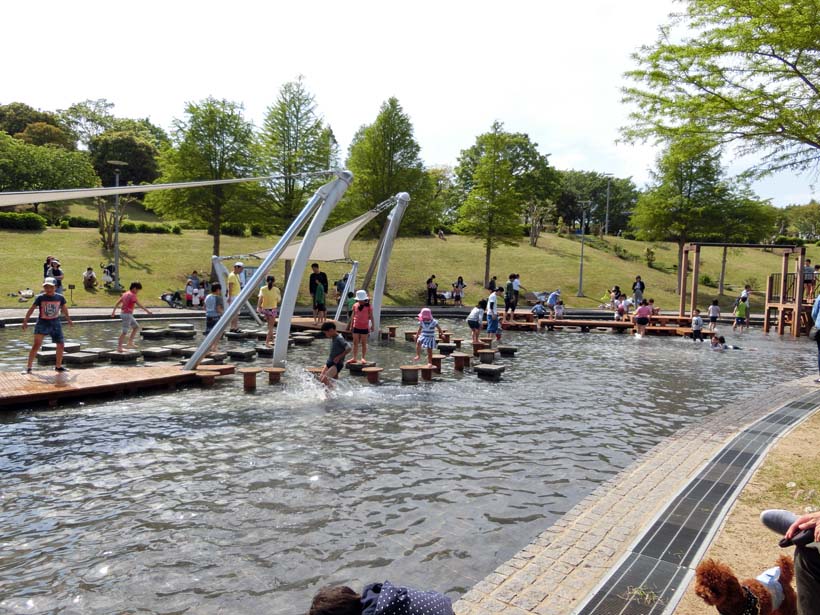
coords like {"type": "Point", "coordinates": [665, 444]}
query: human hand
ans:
{"type": "Point", "coordinates": [804, 522]}
{"type": "Point", "coordinates": [25, 325]}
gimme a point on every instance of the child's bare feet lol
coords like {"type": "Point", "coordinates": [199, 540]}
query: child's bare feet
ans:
{"type": "Point", "coordinates": [416, 358]}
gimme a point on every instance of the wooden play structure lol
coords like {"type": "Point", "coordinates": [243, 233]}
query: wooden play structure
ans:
{"type": "Point", "coordinates": [786, 304]}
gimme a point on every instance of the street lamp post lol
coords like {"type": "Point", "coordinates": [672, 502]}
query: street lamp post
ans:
{"type": "Point", "coordinates": [584, 205]}
{"type": "Point", "coordinates": [608, 185]}
{"type": "Point", "coordinates": [117, 164]}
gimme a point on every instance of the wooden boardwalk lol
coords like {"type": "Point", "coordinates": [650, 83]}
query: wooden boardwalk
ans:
{"type": "Point", "coordinates": [50, 387]}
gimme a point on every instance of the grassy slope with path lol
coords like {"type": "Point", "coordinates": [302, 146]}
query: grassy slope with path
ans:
{"type": "Point", "coordinates": [161, 262]}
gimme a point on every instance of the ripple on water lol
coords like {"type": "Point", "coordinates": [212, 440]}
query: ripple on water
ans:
{"type": "Point", "coordinates": [213, 500]}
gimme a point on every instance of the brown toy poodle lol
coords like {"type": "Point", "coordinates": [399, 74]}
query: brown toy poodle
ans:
{"type": "Point", "coordinates": [719, 587]}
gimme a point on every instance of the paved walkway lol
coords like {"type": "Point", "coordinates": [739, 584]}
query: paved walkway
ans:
{"type": "Point", "coordinates": [555, 573]}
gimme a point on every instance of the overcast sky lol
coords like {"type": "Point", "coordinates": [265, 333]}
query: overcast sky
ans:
{"type": "Point", "coordinates": [551, 69]}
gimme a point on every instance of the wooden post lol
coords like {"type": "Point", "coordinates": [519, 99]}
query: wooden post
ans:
{"type": "Point", "coordinates": [460, 360]}
{"type": "Point", "coordinates": [781, 312]}
{"type": "Point", "coordinates": [426, 372]}
{"type": "Point", "coordinates": [695, 274]}
{"type": "Point", "coordinates": [766, 322]}
{"type": "Point", "coordinates": [437, 358]}
{"type": "Point", "coordinates": [683, 273]}
{"type": "Point", "coordinates": [249, 378]}
{"type": "Point", "coordinates": [409, 374]}
{"type": "Point", "coordinates": [391, 330]}
{"type": "Point", "coordinates": [798, 292]}
{"type": "Point", "coordinates": [274, 374]}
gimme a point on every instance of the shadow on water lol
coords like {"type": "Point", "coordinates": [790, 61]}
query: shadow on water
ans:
{"type": "Point", "coordinates": [214, 499]}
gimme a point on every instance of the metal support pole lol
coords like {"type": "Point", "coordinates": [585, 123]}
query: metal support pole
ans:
{"type": "Point", "coordinates": [349, 286]}
{"type": "Point", "coordinates": [581, 268]}
{"type": "Point", "coordinates": [394, 219]}
{"type": "Point", "coordinates": [798, 292]}
{"type": "Point", "coordinates": [606, 220]}
{"type": "Point", "coordinates": [332, 195]}
{"type": "Point", "coordinates": [344, 178]}
{"type": "Point", "coordinates": [222, 276]}
{"type": "Point", "coordinates": [683, 274]}
{"type": "Point", "coordinates": [695, 274]}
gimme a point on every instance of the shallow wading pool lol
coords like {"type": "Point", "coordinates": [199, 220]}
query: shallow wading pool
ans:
{"type": "Point", "coordinates": [213, 500]}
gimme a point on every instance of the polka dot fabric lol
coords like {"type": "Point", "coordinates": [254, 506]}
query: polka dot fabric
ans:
{"type": "Point", "coordinates": [388, 599]}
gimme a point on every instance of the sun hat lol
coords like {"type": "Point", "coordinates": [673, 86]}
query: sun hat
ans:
{"type": "Point", "coordinates": [425, 314]}
{"type": "Point", "coordinates": [239, 264]}
{"type": "Point", "coordinates": [49, 282]}
{"type": "Point", "coordinates": [361, 295]}
{"type": "Point", "coordinates": [54, 261]}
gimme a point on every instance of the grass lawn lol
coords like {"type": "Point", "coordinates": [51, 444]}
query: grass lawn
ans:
{"type": "Point", "coordinates": [162, 262]}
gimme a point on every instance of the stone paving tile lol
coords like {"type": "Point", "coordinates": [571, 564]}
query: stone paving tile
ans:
{"type": "Point", "coordinates": [553, 574]}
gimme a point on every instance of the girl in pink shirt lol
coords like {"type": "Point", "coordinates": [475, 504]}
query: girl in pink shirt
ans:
{"type": "Point", "coordinates": [362, 323]}
{"type": "Point", "coordinates": [642, 316]}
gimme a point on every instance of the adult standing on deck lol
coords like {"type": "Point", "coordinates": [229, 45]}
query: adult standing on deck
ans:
{"type": "Point", "coordinates": [432, 290]}
{"type": "Point", "coordinates": [234, 287]}
{"type": "Point", "coordinates": [637, 290]}
{"type": "Point", "coordinates": [317, 277]}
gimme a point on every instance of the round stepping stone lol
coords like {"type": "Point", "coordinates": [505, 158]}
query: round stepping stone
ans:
{"type": "Point", "coordinates": [426, 372]}
{"type": "Point", "coordinates": [181, 326]}
{"type": "Point", "coordinates": [457, 341]}
{"type": "Point", "coordinates": [249, 377]}
{"type": "Point", "coordinates": [357, 369]}
{"type": "Point", "coordinates": [372, 374]}
{"type": "Point", "coordinates": [437, 359]}
{"type": "Point", "coordinates": [154, 333]}
{"type": "Point", "coordinates": [461, 360]}
{"type": "Point", "coordinates": [409, 336]}
{"type": "Point", "coordinates": [224, 370]}
{"type": "Point", "coordinates": [207, 378]}
{"type": "Point", "coordinates": [391, 330]}
{"type": "Point", "coordinates": [274, 374]}
{"type": "Point", "coordinates": [316, 371]}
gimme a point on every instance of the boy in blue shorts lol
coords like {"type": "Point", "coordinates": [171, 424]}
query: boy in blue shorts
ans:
{"type": "Point", "coordinates": [51, 305]}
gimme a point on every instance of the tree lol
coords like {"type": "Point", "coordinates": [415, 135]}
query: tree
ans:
{"type": "Point", "coordinates": [14, 117]}
{"type": "Point", "coordinates": [294, 141]}
{"type": "Point", "coordinates": [214, 141]}
{"type": "Point", "coordinates": [88, 119]}
{"type": "Point", "coordinates": [34, 167]}
{"type": "Point", "coordinates": [685, 202]}
{"type": "Point", "coordinates": [492, 210]}
{"type": "Point", "coordinates": [577, 186]}
{"type": "Point", "coordinates": [384, 159]}
{"type": "Point", "coordinates": [40, 133]}
{"type": "Point", "coordinates": [743, 71]}
{"type": "Point", "coordinates": [140, 154]}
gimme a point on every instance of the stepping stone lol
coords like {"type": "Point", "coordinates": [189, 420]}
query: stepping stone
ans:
{"type": "Point", "coordinates": [410, 374]}
{"type": "Point", "coordinates": [446, 349]}
{"type": "Point", "coordinates": [67, 347]}
{"type": "Point", "coordinates": [262, 335]}
{"type": "Point", "coordinates": [461, 360]}
{"type": "Point", "coordinates": [478, 346]}
{"type": "Point", "coordinates": [486, 356]}
{"type": "Point", "coordinates": [384, 336]}
{"type": "Point", "coordinates": [207, 378]}
{"type": "Point", "coordinates": [457, 341]}
{"type": "Point", "coordinates": [487, 340]}
{"type": "Point", "coordinates": [489, 372]}
{"type": "Point", "coordinates": [181, 326]}
{"type": "Point", "coordinates": [409, 336]}
{"type": "Point", "coordinates": [176, 349]}
{"type": "Point", "coordinates": [302, 340]}
{"type": "Point", "coordinates": [391, 330]}
{"type": "Point", "coordinates": [224, 370]}
{"type": "Point", "coordinates": [437, 359]}
{"type": "Point", "coordinates": [217, 356]}
{"type": "Point", "coordinates": [507, 351]}
{"type": "Point", "coordinates": [47, 357]}
{"type": "Point", "coordinates": [81, 358]}
{"type": "Point", "coordinates": [357, 369]}
{"type": "Point", "coordinates": [126, 356]}
{"type": "Point", "coordinates": [206, 362]}
{"type": "Point", "coordinates": [188, 351]}
{"type": "Point", "coordinates": [426, 372]}
{"type": "Point", "coordinates": [153, 334]}
{"type": "Point", "coordinates": [97, 351]}
{"type": "Point", "coordinates": [235, 336]}
{"type": "Point", "coordinates": [274, 374]}
{"type": "Point", "coordinates": [316, 371]}
{"type": "Point", "coordinates": [242, 354]}
{"type": "Point", "coordinates": [372, 374]}
{"type": "Point", "coordinates": [249, 377]}
{"type": "Point", "coordinates": [184, 334]}
{"type": "Point", "coordinates": [156, 352]}
{"type": "Point", "coordinates": [264, 351]}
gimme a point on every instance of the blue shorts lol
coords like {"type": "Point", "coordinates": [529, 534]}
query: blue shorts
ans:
{"type": "Point", "coordinates": [50, 327]}
{"type": "Point", "coordinates": [492, 325]}
{"type": "Point", "coordinates": [740, 321]}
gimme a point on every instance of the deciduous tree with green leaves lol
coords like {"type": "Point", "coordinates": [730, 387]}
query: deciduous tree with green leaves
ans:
{"type": "Point", "coordinates": [492, 211]}
{"type": "Point", "coordinates": [14, 117]}
{"type": "Point", "coordinates": [294, 140]}
{"type": "Point", "coordinates": [743, 71]}
{"type": "Point", "coordinates": [140, 154]}
{"type": "Point", "coordinates": [213, 141]}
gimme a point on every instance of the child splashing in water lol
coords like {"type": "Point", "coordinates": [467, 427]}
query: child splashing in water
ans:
{"type": "Point", "coordinates": [426, 335]}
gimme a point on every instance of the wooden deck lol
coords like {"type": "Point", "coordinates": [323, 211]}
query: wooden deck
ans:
{"type": "Point", "coordinates": [50, 387]}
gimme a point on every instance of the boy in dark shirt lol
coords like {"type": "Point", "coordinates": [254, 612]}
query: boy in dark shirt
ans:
{"type": "Point", "coordinates": [51, 305]}
{"type": "Point", "coordinates": [339, 347]}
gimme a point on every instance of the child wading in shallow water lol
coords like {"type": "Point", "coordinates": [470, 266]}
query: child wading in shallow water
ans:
{"type": "Point", "coordinates": [475, 318]}
{"type": "Point", "coordinates": [362, 324]}
{"type": "Point", "coordinates": [426, 335]}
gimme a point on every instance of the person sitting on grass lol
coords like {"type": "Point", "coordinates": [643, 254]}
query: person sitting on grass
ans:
{"type": "Point", "coordinates": [379, 598]}
{"type": "Point", "coordinates": [89, 279]}
{"type": "Point", "coordinates": [51, 305]}
{"type": "Point", "coordinates": [339, 347]}
{"type": "Point", "coordinates": [129, 323]}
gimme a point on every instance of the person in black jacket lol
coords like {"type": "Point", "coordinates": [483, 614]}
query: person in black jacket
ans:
{"type": "Point", "coordinates": [379, 599]}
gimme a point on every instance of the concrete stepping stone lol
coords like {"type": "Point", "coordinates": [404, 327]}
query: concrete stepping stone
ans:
{"type": "Point", "coordinates": [128, 355]}
{"type": "Point", "coordinates": [489, 372]}
{"type": "Point", "coordinates": [446, 349]}
{"type": "Point", "coordinates": [410, 374]}
{"type": "Point", "coordinates": [507, 351]}
{"type": "Point", "coordinates": [154, 334]}
{"type": "Point", "coordinates": [357, 369]}
{"type": "Point", "coordinates": [156, 352]}
{"type": "Point", "coordinates": [303, 340]}
{"type": "Point", "coordinates": [183, 334]}
{"type": "Point", "coordinates": [188, 351]}
{"type": "Point", "coordinates": [67, 347]}
{"type": "Point", "coordinates": [81, 358]}
{"type": "Point", "coordinates": [181, 326]}
{"type": "Point", "coordinates": [264, 351]}
{"type": "Point", "coordinates": [47, 357]}
{"type": "Point", "coordinates": [176, 349]}
{"type": "Point", "coordinates": [217, 356]}
{"type": "Point", "coordinates": [234, 336]}
{"type": "Point", "coordinates": [242, 354]}
{"type": "Point", "coordinates": [486, 356]}
{"type": "Point", "coordinates": [97, 351]}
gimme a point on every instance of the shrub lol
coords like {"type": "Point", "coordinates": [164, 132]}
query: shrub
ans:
{"type": "Point", "coordinates": [649, 255]}
{"type": "Point", "coordinates": [628, 235]}
{"type": "Point", "coordinates": [176, 229]}
{"type": "Point", "coordinates": [80, 222]}
{"type": "Point", "coordinates": [234, 229]}
{"type": "Point", "coordinates": [128, 227]}
{"type": "Point", "coordinates": [706, 280]}
{"type": "Point", "coordinates": [783, 240]}
{"type": "Point", "coordinates": [64, 224]}
{"type": "Point", "coordinates": [260, 230]}
{"type": "Point", "coordinates": [22, 222]}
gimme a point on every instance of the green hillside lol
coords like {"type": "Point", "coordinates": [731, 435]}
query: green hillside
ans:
{"type": "Point", "coordinates": [162, 262]}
